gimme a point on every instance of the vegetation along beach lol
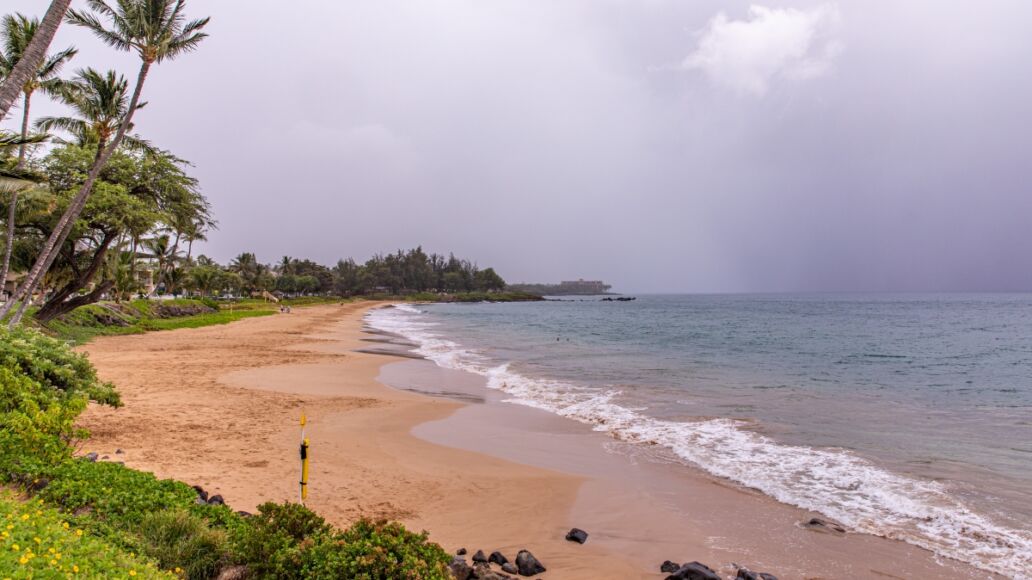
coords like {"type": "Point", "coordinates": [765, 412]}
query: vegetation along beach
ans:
{"type": "Point", "coordinates": [457, 290]}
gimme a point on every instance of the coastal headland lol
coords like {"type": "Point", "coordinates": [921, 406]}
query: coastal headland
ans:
{"type": "Point", "coordinates": [219, 406]}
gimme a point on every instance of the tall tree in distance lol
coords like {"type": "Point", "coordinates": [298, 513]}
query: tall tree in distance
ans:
{"type": "Point", "coordinates": [157, 31]}
{"type": "Point", "coordinates": [32, 56]}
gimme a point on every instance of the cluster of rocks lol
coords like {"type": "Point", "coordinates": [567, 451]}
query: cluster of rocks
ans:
{"type": "Point", "coordinates": [700, 571]}
{"type": "Point", "coordinates": [525, 565]}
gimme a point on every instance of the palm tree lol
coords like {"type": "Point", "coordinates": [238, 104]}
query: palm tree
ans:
{"type": "Point", "coordinates": [16, 33]}
{"type": "Point", "coordinates": [157, 31]}
{"type": "Point", "coordinates": [33, 55]}
{"type": "Point", "coordinates": [13, 179]}
{"type": "Point", "coordinates": [98, 101]}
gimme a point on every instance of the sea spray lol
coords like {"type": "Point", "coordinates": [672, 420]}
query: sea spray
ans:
{"type": "Point", "coordinates": [837, 483]}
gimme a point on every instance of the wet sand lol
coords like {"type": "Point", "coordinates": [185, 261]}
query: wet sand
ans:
{"type": "Point", "coordinates": [219, 406]}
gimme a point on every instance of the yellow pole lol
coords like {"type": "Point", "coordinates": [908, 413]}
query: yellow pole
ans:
{"type": "Point", "coordinates": [304, 462]}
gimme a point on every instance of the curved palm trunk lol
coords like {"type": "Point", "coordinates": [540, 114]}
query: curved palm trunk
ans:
{"type": "Point", "coordinates": [33, 56]}
{"type": "Point", "coordinates": [64, 226]}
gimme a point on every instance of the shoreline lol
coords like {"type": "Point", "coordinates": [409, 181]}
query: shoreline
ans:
{"type": "Point", "coordinates": [218, 407]}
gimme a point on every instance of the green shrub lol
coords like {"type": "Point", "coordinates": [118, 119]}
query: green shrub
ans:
{"type": "Point", "coordinates": [272, 542]}
{"type": "Point", "coordinates": [376, 551]}
{"type": "Point", "coordinates": [37, 423]}
{"type": "Point", "coordinates": [180, 540]}
{"type": "Point", "coordinates": [51, 363]}
{"type": "Point", "coordinates": [36, 542]}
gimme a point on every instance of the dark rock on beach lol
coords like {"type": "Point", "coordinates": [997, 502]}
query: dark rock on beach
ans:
{"type": "Point", "coordinates": [201, 493]}
{"type": "Point", "coordinates": [694, 571]}
{"type": "Point", "coordinates": [527, 564]}
{"type": "Point", "coordinates": [216, 500]}
{"type": "Point", "coordinates": [461, 552]}
{"type": "Point", "coordinates": [820, 525]}
{"type": "Point", "coordinates": [747, 574]}
{"type": "Point", "coordinates": [510, 568]}
{"type": "Point", "coordinates": [460, 570]}
{"type": "Point", "coordinates": [479, 556]}
{"type": "Point", "coordinates": [577, 535]}
{"type": "Point", "coordinates": [669, 567]}
{"type": "Point", "coordinates": [92, 456]}
{"type": "Point", "coordinates": [497, 557]}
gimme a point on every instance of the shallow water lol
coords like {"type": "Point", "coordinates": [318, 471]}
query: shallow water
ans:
{"type": "Point", "coordinates": [908, 416]}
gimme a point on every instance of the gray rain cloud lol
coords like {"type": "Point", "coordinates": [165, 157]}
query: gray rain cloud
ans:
{"type": "Point", "coordinates": [660, 145]}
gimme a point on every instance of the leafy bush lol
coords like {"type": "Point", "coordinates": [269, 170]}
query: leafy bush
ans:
{"type": "Point", "coordinates": [37, 418]}
{"type": "Point", "coordinates": [51, 363]}
{"type": "Point", "coordinates": [376, 551]}
{"type": "Point", "coordinates": [290, 541]}
{"type": "Point", "coordinates": [179, 539]}
{"type": "Point", "coordinates": [36, 542]}
{"type": "Point", "coordinates": [272, 543]}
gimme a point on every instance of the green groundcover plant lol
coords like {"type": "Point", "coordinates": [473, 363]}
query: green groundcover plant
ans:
{"type": "Point", "coordinates": [61, 515]}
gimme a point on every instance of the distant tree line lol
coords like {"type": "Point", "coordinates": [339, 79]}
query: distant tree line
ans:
{"type": "Point", "coordinates": [402, 272]}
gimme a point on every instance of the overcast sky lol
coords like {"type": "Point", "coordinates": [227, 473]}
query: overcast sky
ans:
{"type": "Point", "coordinates": [660, 145]}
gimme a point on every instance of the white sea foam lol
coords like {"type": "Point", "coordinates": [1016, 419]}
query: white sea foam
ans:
{"type": "Point", "coordinates": [845, 487]}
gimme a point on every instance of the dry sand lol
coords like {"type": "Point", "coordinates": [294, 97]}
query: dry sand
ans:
{"type": "Point", "coordinates": [219, 407]}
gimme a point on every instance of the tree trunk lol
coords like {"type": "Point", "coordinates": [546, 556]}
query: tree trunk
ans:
{"type": "Point", "coordinates": [70, 305]}
{"type": "Point", "coordinates": [64, 226]}
{"type": "Point", "coordinates": [33, 56]}
{"type": "Point", "coordinates": [10, 241]}
{"type": "Point", "coordinates": [55, 306]}
{"type": "Point", "coordinates": [24, 130]}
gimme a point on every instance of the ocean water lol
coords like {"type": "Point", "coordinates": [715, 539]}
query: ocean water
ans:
{"type": "Point", "coordinates": [907, 416]}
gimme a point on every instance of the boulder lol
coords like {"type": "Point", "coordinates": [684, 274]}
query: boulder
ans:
{"type": "Point", "coordinates": [747, 574]}
{"type": "Point", "coordinates": [216, 500]}
{"type": "Point", "coordinates": [577, 535]}
{"type": "Point", "coordinates": [459, 569]}
{"type": "Point", "coordinates": [244, 514]}
{"type": "Point", "coordinates": [668, 567]}
{"type": "Point", "coordinates": [461, 552]}
{"type": "Point", "coordinates": [694, 571]}
{"type": "Point", "coordinates": [92, 456]}
{"type": "Point", "coordinates": [510, 568]}
{"type": "Point", "coordinates": [527, 564]}
{"type": "Point", "coordinates": [479, 556]}
{"type": "Point", "coordinates": [200, 492]}
{"type": "Point", "coordinates": [119, 452]}
{"type": "Point", "coordinates": [497, 557]}
{"type": "Point", "coordinates": [821, 525]}
{"type": "Point", "coordinates": [233, 573]}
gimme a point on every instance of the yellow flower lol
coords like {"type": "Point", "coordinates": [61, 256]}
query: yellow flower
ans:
{"type": "Point", "coordinates": [24, 517]}
{"type": "Point", "coordinates": [53, 562]}
{"type": "Point", "coordinates": [58, 555]}
{"type": "Point", "coordinates": [4, 533]}
{"type": "Point", "coordinates": [37, 540]}
{"type": "Point", "coordinates": [78, 532]}
{"type": "Point", "coordinates": [23, 560]}
{"type": "Point", "coordinates": [65, 525]}
{"type": "Point", "coordinates": [15, 548]}
{"type": "Point", "coordinates": [132, 572]}
{"type": "Point", "coordinates": [75, 568]}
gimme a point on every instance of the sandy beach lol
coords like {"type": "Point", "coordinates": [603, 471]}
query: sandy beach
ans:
{"type": "Point", "coordinates": [403, 439]}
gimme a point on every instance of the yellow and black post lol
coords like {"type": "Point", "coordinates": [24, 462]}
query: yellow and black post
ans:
{"type": "Point", "coordinates": [304, 462]}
